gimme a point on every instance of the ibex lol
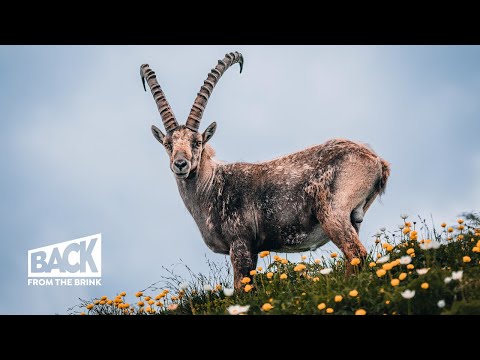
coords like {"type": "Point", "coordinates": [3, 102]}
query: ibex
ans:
{"type": "Point", "coordinates": [294, 203]}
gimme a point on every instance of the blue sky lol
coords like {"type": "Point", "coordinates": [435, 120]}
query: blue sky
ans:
{"type": "Point", "coordinates": [78, 157]}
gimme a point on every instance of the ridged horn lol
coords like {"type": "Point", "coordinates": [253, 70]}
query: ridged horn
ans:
{"type": "Point", "coordinates": [163, 106]}
{"type": "Point", "coordinates": [195, 116]}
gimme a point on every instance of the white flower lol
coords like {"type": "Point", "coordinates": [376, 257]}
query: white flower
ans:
{"type": "Point", "coordinates": [237, 309]}
{"type": "Point", "coordinates": [326, 271]}
{"type": "Point", "coordinates": [401, 226]}
{"type": "Point", "coordinates": [382, 229]}
{"type": "Point", "coordinates": [447, 280]}
{"type": "Point", "coordinates": [378, 234]}
{"type": "Point", "coordinates": [408, 294]}
{"type": "Point", "coordinates": [441, 304]}
{"type": "Point", "coordinates": [383, 259]}
{"type": "Point", "coordinates": [422, 271]}
{"type": "Point", "coordinates": [228, 292]}
{"type": "Point", "coordinates": [404, 216]}
{"type": "Point", "coordinates": [430, 245]}
{"type": "Point", "coordinates": [457, 275]}
{"type": "Point", "coordinates": [405, 260]}
{"type": "Point", "coordinates": [207, 287]}
{"type": "Point", "coordinates": [184, 286]}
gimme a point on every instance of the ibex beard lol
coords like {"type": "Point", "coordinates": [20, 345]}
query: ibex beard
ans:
{"type": "Point", "coordinates": [295, 203]}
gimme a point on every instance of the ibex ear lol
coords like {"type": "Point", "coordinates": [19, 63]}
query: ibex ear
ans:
{"type": "Point", "coordinates": [158, 134]}
{"type": "Point", "coordinates": [208, 133]}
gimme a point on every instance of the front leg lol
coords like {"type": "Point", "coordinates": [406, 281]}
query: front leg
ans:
{"type": "Point", "coordinates": [243, 261]}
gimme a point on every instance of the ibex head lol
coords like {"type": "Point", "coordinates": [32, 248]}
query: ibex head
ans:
{"type": "Point", "coordinates": [184, 144]}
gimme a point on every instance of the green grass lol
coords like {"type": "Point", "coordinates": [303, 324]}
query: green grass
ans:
{"type": "Point", "coordinates": [305, 287]}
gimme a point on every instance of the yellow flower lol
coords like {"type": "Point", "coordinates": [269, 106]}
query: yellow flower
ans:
{"type": "Point", "coordinates": [410, 251]}
{"type": "Point", "coordinates": [248, 288]}
{"type": "Point", "coordinates": [355, 261]}
{"type": "Point", "coordinates": [147, 298]}
{"type": "Point", "coordinates": [385, 245]}
{"type": "Point", "coordinates": [140, 303]}
{"type": "Point", "coordinates": [304, 257]}
{"type": "Point", "coordinates": [109, 302]}
{"type": "Point", "coordinates": [338, 298]}
{"type": "Point", "coordinates": [96, 302]}
{"type": "Point", "coordinates": [353, 293]}
{"type": "Point", "coordinates": [253, 272]}
{"type": "Point", "coordinates": [82, 313]}
{"type": "Point", "coordinates": [259, 268]}
{"type": "Point", "coordinates": [269, 275]}
{"type": "Point", "coordinates": [315, 279]}
{"type": "Point", "coordinates": [379, 256]}
{"type": "Point", "coordinates": [372, 264]}
{"type": "Point", "coordinates": [381, 272]}
{"type": "Point", "coordinates": [284, 261]}
{"type": "Point", "coordinates": [102, 302]}
{"type": "Point", "coordinates": [321, 306]}
{"type": "Point", "coordinates": [460, 221]}
{"type": "Point", "coordinates": [414, 233]}
{"type": "Point", "coordinates": [246, 280]}
{"type": "Point", "coordinates": [460, 227]}
{"type": "Point", "coordinates": [329, 311]}
{"type": "Point", "coordinates": [127, 305]}
{"type": "Point", "coordinates": [467, 259]}
{"type": "Point", "coordinates": [283, 276]}
{"type": "Point", "coordinates": [138, 294]}
{"type": "Point", "coordinates": [103, 298]}
{"type": "Point", "coordinates": [425, 285]}
{"type": "Point", "coordinates": [148, 309]}
{"type": "Point", "coordinates": [450, 229]}
{"type": "Point", "coordinates": [317, 261]}
{"type": "Point", "coordinates": [402, 276]}
{"type": "Point", "coordinates": [151, 302]}
{"type": "Point", "coordinates": [334, 255]}
{"type": "Point", "coordinates": [406, 230]}
{"type": "Point", "coordinates": [460, 237]}
{"type": "Point", "coordinates": [387, 302]}
{"type": "Point", "coordinates": [166, 291]}
{"type": "Point", "coordinates": [90, 306]}
{"type": "Point", "coordinates": [267, 307]}
{"type": "Point", "coordinates": [408, 223]}
{"type": "Point", "coordinates": [443, 225]}
{"type": "Point", "coordinates": [123, 293]}
{"type": "Point", "coordinates": [387, 266]}
{"type": "Point", "coordinates": [277, 258]}
{"type": "Point", "coordinates": [264, 253]}
{"type": "Point", "coordinates": [395, 282]}
{"type": "Point", "coordinates": [410, 266]}
{"type": "Point", "coordinates": [389, 247]}
{"type": "Point", "coordinates": [158, 303]}
{"type": "Point", "coordinates": [360, 312]}
{"type": "Point", "coordinates": [299, 267]}
{"type": "Point", "coordinates": [476, 249]}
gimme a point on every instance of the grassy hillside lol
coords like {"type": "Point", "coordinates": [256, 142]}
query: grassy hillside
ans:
{"type": "Point", "coordinates": [411, 270]}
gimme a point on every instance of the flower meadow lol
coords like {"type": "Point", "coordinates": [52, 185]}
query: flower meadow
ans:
{"type": "Point", "coordinates": [411, 270]}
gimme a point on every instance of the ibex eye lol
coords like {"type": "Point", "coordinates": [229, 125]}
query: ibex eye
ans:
{"type": "Point", "coordinates": [199, 143]}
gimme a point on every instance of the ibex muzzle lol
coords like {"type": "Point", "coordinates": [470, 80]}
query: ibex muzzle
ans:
{"type": "Point", "coordinates": [297, 202]}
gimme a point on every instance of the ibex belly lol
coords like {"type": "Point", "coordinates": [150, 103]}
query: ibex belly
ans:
{"type": "Point", "coordinates": [304, 240]}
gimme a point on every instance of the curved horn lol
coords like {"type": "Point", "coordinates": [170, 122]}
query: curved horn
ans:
{"type": "Point", "coordinates": [163, 106]}
{"type": "Point", "coordinates": [195, 116]}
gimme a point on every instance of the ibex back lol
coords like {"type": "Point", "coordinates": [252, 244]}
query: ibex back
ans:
{"type": "Point", "coordinates": [294, 203]}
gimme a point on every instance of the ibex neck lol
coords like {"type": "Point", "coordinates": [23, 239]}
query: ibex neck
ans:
{"type": "Point", "coordinates": [195, 189]}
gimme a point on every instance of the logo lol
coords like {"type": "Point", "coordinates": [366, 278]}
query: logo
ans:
{"type": "Point", "coordinates": [71, 263]}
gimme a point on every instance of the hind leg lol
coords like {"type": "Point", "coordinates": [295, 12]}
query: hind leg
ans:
{"type": "Point", "coordinates": [338, 227]}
